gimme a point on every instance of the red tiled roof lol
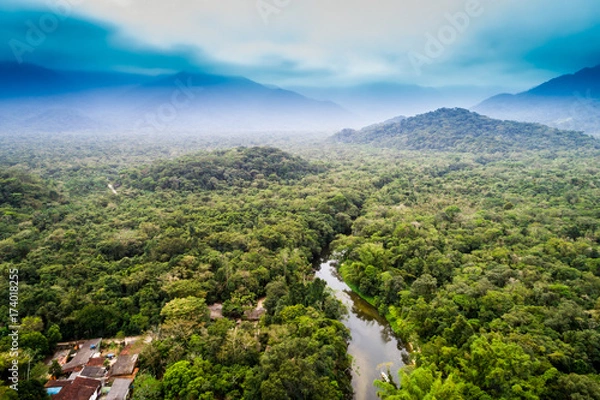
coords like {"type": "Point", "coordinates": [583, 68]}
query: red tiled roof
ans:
{"type": "Point", "coordinates": [96, 362]}
{"type": "Point", "coordinates": [57, 383]}
{"type": "Point", "coordinates": [80, 389]}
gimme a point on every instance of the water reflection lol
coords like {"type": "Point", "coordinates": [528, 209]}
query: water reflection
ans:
{"type": "Point", "coordinates": [373, 345]}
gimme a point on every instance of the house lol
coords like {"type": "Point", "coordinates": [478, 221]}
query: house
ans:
{"type": "Point", "coordinates": [93, 372]}
{"type": "Point", "coordinates": [54, 387]}
{"type": "Point", "coordinates": [73, 375]}
{"type": "Point", "coordinates": [96, 362]}
{"type": "Point", "coordinates": [85, 352]}
{"type": "Point", "coordinates": [78, 389]}
{"type": "Point", "coordinates": [61, 356]}
{"type": "Point", "coordinates": [125, 365]}
{"type": "Point", "coordinates": [119, 389]}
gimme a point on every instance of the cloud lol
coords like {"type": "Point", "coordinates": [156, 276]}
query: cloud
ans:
{"type": "Point", "coordinates": [333, 42]}
{"type": "Point", "coordinates": [50, 39]}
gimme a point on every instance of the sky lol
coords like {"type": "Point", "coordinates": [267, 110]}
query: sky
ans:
{"type": "Point", "coordinates": [512, 44]}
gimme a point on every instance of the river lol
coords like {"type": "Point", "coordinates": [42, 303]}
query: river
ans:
{"type": "Point", "coordinates": [373, 346]}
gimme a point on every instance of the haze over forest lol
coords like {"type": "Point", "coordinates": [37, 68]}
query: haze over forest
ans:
{"type": "Point", "coordinates": [299, 200]}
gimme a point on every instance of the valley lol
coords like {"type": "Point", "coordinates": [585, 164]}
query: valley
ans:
{"type": "Point", "coordinates": [469, 249]}
{"type": "Point", "coordinates": [299, 200]}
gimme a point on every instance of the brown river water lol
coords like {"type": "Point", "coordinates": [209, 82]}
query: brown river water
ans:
{"type": "Point", "coordinates": [373, 347]}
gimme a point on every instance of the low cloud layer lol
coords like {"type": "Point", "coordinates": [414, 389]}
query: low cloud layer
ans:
{"type": "Point", "coordinates": [508, 43]}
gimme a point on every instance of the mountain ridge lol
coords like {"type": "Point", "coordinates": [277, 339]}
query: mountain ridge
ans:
{"type": "Point", "coordinates": [184, 101]}
{"type": "Point", "coordinates": [570, 101]}
{"type": "Point", "coordinates": [461, 130]}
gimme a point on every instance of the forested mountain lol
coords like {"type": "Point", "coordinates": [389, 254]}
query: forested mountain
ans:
{"type": "Point", "coordinates": [566, 102]}
{"type": "Point", "coordinates": [222, 169]}
{"type": "Point", "coordinates": [33, 98]}
{"type": "Point", "coordinates": [461, 130]}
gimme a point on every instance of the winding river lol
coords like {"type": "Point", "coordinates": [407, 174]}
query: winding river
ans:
{"type": "Point", "coordinates": [373, 346]}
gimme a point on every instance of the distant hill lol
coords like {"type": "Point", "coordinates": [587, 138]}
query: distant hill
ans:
{"type": "Point", "coordinates": [567, 102]}
{"type": "Point", "coordinates": [461, 130]}
{"type": "Point", "coordinates": [585, 81]}
{"type": "Point", "coordinates": [381, 100]}
{"type": "Point", "coordinates": [28, 80]}
{"type": "Point", "coordinates": [37, 98]}
{"type": "Point", "coordinates": [55, 120]}
{"type": "Point", "coordinates": [220, 169]}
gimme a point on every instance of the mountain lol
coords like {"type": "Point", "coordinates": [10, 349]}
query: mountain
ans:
{"type": "Point", "coordinates": [567, 102]}
{"type": "Point", "coordinates": [461, 130]}
{"type": "Point", "coordinates": [382, 100]}
{"type": "Point", "coordinates": [221, 169]}
{"type": "Point", "coordinates": [38, 98]}
{"type": "Point", "coordinates": [585, 81]}
{"type": "Point", "coordinates": [29, 80]}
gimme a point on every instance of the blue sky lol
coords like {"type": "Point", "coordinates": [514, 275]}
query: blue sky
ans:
{"type": "Point", "coordinates": [508, 44]}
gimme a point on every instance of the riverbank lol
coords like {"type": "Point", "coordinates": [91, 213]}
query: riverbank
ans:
{"type": "Point", "coordinates": [374, 347]}
{"type": "Point", "coordinates": [403, 334]}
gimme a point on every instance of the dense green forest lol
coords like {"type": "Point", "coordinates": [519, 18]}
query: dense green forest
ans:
{"type": "Point", "coordinates": [491, 270]}
{"type": "Point", "coordinates": [106, 265]}
{"type": "Point", "coordinates": [486, 263]}
{"type": "Point", "coordinates": [464, 131]}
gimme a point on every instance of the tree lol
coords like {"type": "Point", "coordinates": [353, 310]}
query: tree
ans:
{"type": "Point", "coordinates": [32, 324]}
{"type": "Point", "coordinates": [95, 320]}
{"type": "Point", "coordinates": [420, 384]}
{"type": "Point", "coordinates": [183, 317]}
{"type": "Point", "coordinates": [424, 286]}
{"type": "Point", "coordinates": [176, 380]}
{"type": "Point", "coordinates": [55, 370]}
{"type": "Point", "coordinates": [32, 390]}
{"type": "Point", "coordinates": [53, 335]}
{"type": "Point", "coordinates": [7, 393]}
{"type": "Point", "coordinates": [36, 342]}
{"type": "Point", "coordinates": [147, 388]}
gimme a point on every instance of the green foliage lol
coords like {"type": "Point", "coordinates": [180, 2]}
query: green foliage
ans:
{"type": "Point", "coordinates": [32, 389]}
{"type": "Point", "coordinates": [7, 393]}
{"type": "Point", "coordinates": [487, 263]}
{"type": "Point", "coordinates": [147, 388]}
{"type": "Point", "coordinates": [222, 169]}
{"type": "Point", "coordinates": [19, 189]}
{"type": "Point", "coordinates": [55, 369]}
{"type": "Point", "coordinates": [500, 301]}
{"type": "Point", "coordinates": [464, 131]}
{"type": "Point", "coordinates": [421, 384]}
